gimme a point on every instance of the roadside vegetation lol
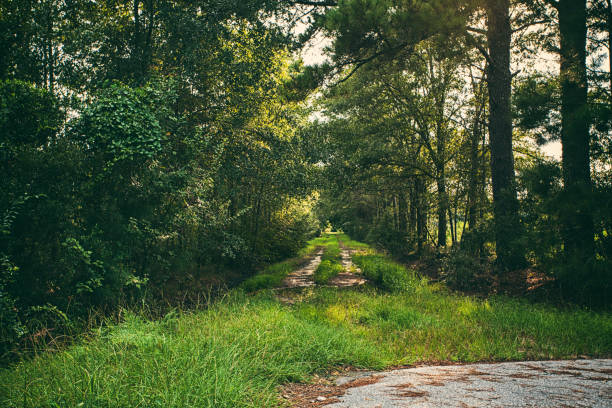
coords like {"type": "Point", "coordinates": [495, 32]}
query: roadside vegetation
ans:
{"type": "Point", "coordinates": [239, 349]}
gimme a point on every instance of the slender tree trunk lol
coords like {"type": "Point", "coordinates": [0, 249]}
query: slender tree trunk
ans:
{"type": "Point", "coordinates": [395, 213]}
{"type": "Point", "coordinates": [575, 138]}
{"type": "Point", "coordinates": [421, 214]}
{"type": "Point", "coordinates": [403, 213]}
{"type": "Point", "coordinates": [474, 157]}
{"type": "Point", "coordinates": [609, 21]}
{"type": "Point", "coordinates": [473, 175]}
{"type": "Point", "coordinates": [442, 207]}
{"type": "Point", "coordinates": [412, 220]}
{"type": "Point", "coordinates": [451, 225]}
{"type": "Point", "coordinates": [505, 202]}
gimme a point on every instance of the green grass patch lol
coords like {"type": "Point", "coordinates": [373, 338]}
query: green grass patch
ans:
{"type": "Point", "coordinates": [332, 250]}
{"type": "Point", "coordinates": [330, 265]}
{"type": "Point", "coordinates": [232, 355]}
{"type": "Point", "coordinates": [380, 270]}
{"type": "Point", "coordinates": [429, 325]}
{"type": "Point", "coordinates": [327, 270]}
{"type": "Point", "coordinates": [270, 277]}
{"type": "Point", "coordinates": [387, 274]}
{"type": "Point", "coordinates": [236, 353]}
{"type": "Point", "coordinates": [312, 245]}
{"type": "Point", "coordinates": [350, 243]}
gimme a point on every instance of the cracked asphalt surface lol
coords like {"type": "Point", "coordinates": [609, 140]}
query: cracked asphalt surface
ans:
{"type": "Point", "coordinates": [571, 383]}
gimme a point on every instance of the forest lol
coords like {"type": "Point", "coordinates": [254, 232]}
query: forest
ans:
{"type": "Point", "coordinates": [164, 155]}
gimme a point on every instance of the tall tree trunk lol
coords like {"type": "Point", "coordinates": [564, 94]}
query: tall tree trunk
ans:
{"type": "Point", "coordinates": [452, 226]}
{"type": "Point", "coordinates": [472, 192]}
{"type": "Point", "coordinates": [474, 154]}
{"type": "Point", "coordinates": [577, 222]}
{"type": "Point", "coordinates": [395, 213]}
{"type": "Point", "coordinates": [505, 202]}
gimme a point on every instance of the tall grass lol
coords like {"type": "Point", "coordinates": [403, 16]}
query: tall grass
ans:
{"type": "Point", "coordinates": [432, 325]}
{"type": "Point", "coordinates": [233, 355]}
{"type": "Point", "coordinates": [385, 273]}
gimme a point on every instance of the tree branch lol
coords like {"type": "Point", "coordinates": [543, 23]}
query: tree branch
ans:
{"type": "Point", "coordinates": [479, 47]}
{"type": "Point", "coordinates": [320, 3]}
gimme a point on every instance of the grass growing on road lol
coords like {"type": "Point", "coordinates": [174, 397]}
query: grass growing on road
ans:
{"type": "Point", "coordinates": [326, 271]}
{"type": "Point", "coordinates": [273, 275]}
{"type": "Point", "coordinates": [330, 265]}
{"type": "Point", "coordinates": [387, 274]}
{"type": "Point", "coordinates": [237, 352]}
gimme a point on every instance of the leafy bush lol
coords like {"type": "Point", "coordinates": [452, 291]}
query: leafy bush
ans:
{"type": "Point", "coordinates": [464, 271]}
{"type": "Point", "coordinates": [120, 127]}
{"type": "Point", "coordinates": [28, 115]}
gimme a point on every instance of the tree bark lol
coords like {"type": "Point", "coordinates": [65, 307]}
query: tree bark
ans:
{"type": "Point", "coordinates": [505, 202]}
{"type": "Point", "coordinates": [577, 222]}
{"type": "Point", "coordinates": [412, 218]}
{"type": "Point", "coordinates": [474, 154]}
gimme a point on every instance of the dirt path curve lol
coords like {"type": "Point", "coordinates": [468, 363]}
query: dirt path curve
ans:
{"type": "Point", "coordinates": [574, 383]}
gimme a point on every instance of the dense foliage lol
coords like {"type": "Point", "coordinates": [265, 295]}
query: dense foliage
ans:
{"type": "Point", "coordinates": [148, 150]}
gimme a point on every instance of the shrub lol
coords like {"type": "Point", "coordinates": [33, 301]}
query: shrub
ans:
{"type": "Point", "coordinates": [464, 271]}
